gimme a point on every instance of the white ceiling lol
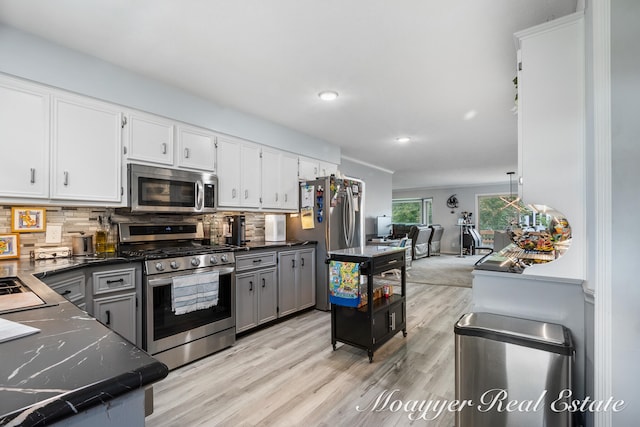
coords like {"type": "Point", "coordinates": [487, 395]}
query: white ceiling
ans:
{"type": "Point", "coordinates": [407, 67]}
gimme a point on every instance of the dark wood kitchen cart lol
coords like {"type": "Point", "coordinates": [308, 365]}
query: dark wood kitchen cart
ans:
{"type": "Point", "coordinates": [371, 325]}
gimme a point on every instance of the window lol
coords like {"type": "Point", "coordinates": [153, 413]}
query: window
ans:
{"type": "Point", "coordinates": [412, 211]}
{"type": "Point", "coordinates": [493, 215]}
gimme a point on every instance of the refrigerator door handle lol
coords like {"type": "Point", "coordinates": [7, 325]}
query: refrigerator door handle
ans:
{"type": "Point", "coordinates": [349, 217]}
{"type": "Point", "coordinates": [345, 219]}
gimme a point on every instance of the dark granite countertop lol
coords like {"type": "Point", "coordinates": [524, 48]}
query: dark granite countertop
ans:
{"type": "Point", "coordinates": [73, 363]}
{"type": "Point", "coordinates": [262, 244]}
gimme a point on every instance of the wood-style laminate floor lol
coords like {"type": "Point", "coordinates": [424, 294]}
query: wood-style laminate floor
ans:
{"type": "Point", "coordinates": [288, 374]}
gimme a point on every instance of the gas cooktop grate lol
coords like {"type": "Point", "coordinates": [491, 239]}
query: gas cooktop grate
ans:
{"type": "Point", "coordinates": [10, 286]}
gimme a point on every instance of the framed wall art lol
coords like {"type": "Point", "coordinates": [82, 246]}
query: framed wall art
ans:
{"type": "Point", "coordinates": [28, 220]}
{"type": "Point", "coordinates": [9, 246]}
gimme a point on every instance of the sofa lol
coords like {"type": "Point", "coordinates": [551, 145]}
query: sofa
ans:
{"type": "Point", "coordinates": [420, 236]}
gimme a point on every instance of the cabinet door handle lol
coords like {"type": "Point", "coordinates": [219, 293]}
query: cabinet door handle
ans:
{"type": "Point", "coordinates": [276, 197]}
{"type": "Point", "coordinates": [66, 178]}
{"type": "Point", "coordinates": [293, 263]}
{"type": "Point", "coordinates": [246, 194]}
{"type": "Point", "coordinates": [186, 153]}
{"type": "Point", "coordinates": [302, 262]}
{"type": "Point", "coordinates": [233, 193]}
{"type": "Point", "coordinates": [264, 282]}
{"type": "Point", "coordinates": [250, 285]}
{"type": "Point", "coordinates": [392, 321]}
{"type": "Point", "coordinates": [33, 175]}
{"type": "Point", "coordinates": [164, 147]}
{"type": "Point", "coordinates": [120, 280]}
{"type": "Point", "coordinates": [108, 313]}
{"type": "Point", "coordinates": [285, 197]}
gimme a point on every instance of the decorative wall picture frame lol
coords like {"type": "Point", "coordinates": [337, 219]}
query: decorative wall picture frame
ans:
{"type": "Point", "coordinates": [9, 246]}
{"type": "Point", "coordinates": [28, 220]}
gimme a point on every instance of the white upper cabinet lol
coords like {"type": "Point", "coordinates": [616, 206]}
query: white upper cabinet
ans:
{"type": "Point", "coordinates": [308, 168]}
{"type": "Point", "coordinates": [279, 180]}
{"type": "Point", "coordinates": [86, 143]}
{"type": "Point", "coordinates": [24, 140]}
{"type": "Point", "coordinates": [311, 168]}
{"type": "Point", "coordinates": [238, 173]}
{"type": "Point", "coordinates": [150, 139]}
{"type": "Point", "coordinates": [196, 148]}
{"type": "Point", "coordinates": [327, 169]}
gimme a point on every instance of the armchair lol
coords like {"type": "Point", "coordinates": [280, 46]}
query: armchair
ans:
{"type": "Point", "coordinates": [434, 242]}
{"type": "Point", "coordinates": [420, 236]}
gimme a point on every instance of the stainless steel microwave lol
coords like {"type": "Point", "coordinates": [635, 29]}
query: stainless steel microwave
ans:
{"type": "Point", "coordinates": [155, 189]}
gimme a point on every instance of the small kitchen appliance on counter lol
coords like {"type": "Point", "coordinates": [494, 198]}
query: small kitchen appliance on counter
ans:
{"type": "Point", "coordinates": [237, 230]}
{"type": "Point", "coordinates": [275, 228]}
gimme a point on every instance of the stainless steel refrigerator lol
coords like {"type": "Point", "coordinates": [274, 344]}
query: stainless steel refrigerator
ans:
{"type": "Point", "coordinates": [331, 213]}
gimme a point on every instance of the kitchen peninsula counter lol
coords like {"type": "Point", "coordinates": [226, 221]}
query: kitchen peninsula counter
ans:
{"type": "Point", "coordinates": [74, 364]}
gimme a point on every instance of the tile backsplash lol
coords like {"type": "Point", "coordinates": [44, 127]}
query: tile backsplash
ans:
{"type": "Point", "coordinates": [85, 219]}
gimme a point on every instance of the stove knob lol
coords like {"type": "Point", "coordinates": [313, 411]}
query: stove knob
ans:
{"type": "Point", "coordinates": [224, 258]}
{"type": "Point", "coordinates": [195, 262]}
{"type": "Point", "coordinates": [213, 259]}
{"type": "Point", "coordinates": [174, 264]}
{"type": "Point", "coordinates": [159, 266]}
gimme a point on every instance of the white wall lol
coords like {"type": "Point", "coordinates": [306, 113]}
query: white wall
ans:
{"type": "Point", "coordinates": [377, 191]}
{"type": "Point", "coordinates": [34, 58]}
{"type": "Point", "coordinates": [625, 158]}
{"type": "Point", "coordinates": [442, 215]}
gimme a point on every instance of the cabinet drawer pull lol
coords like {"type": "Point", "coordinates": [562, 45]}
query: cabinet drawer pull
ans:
{"type": "Point", "coordinates": [120, 280]}
{"type": "Point", "coordinates": [108, 313]}
{"type": "Point", "coordinates": [392, 321]}
{"type": "Point", "coordinates": [33, 175]}
{"type": "Point", "coordinates": [257, 260]}
{"type": "Point", "coordinates": [67, 292]}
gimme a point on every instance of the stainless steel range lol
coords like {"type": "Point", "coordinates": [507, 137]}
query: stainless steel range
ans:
{"type": "Point", "coordinates": [188, 291]}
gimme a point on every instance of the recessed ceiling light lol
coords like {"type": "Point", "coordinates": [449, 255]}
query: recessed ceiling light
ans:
{"type": "Point", "coordinates": [470, 114]}
{"type": "Point", "coordinates": [328, 95]}
{"type": "Point", "coordinates": [403, 139]}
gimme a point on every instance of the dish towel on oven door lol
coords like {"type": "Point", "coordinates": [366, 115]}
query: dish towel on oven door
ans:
{"type": "Point", "coordinates": [194, 292]}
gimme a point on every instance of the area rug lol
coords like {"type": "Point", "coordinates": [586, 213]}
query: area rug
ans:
{"type": "Point", "coordinates": [443, 270]}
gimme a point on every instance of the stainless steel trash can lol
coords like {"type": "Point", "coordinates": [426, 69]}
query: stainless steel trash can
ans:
{"type": "Point", "coordinates": [512, 372]}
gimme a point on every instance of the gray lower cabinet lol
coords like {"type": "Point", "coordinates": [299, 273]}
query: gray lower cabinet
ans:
{"type": "Point", "coordinates": [70, 285]}
{"type": "Point", "coordinates": [114, 301]}
{"type": "Point", "coordinates": [256, 298]}
{"type": "Point", "coordinates": [297, 280]}
{"type": "Point", "coordinates": [118, 313]}
{"type": "Point", "coordinates": [256, 289]}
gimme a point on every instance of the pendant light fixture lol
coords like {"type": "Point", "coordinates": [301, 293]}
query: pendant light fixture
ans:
{"type": "Point", "coordinates": [511, 201]}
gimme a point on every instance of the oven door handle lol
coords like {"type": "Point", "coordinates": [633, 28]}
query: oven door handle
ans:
{"type": "Point", "coordinates": [164, 281]}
